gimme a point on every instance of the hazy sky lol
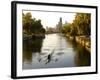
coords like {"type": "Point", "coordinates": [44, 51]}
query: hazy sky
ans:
{"type": "Point", "coordinates": [50, 19]}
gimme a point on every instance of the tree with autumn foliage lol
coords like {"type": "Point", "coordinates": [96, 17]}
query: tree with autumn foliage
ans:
{"type": "Point", "coordinates": [81, 25]}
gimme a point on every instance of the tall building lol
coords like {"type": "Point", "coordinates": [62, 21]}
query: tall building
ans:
{"type": "Point", "coordinates": [60, 22]}
{"type": "Point", "coordinates": [59, 25]}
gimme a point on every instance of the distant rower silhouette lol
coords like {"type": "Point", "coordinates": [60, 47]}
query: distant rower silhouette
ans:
{"type": "Point", "coordinates": [49, 57]}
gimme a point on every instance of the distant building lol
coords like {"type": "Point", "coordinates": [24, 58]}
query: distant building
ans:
{"type": "Point", "coordinates": [59, 25]}
{"type": "Point", "coordinates": [66, 22]}
{"type": "Point", "coordinates": [47, 28]}
{"type": "Point", "coordinates": [50, 30]}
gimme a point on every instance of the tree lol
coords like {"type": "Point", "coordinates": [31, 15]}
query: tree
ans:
{"type": "Point", "coordinates": [31, 25]}
{"type": "Point", "coordinates": [82, 22]}
{"type": "Point", "coordinates": [73, 30]}
{"type": "Point", "coordinates": [81, 25]}
{"type": "Point", "coordinates": [27, 19]}
{"type": "Point", "coordinates": [66, 28]}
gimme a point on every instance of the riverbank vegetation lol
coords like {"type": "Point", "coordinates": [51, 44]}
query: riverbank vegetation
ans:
{"type": "Point", "coordinates": [80, 29]}
{"type": "Point", "coordinates": [32, 26]}
{"type": "Point", "coordinates": [81, 25]}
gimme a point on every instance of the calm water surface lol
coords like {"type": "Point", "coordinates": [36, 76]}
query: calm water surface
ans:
{"type": "Point", "coordinates": [54, 51]}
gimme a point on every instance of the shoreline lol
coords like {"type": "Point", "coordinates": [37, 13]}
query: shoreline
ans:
{"type": "Point", "coordinates": [82, 40]}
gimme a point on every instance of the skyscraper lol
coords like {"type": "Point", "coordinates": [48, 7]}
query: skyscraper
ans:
{"type": "Point", "coordinates": [59, 25]}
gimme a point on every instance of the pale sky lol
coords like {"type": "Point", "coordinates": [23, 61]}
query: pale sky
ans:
{"type": "Point", "coordinates": [50, 19]}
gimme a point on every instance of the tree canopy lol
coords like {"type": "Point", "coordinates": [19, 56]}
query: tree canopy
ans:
{"type": "Point", "coordinates": [81, 25]}
{"type": "Point", "coordinates": [31, 25]}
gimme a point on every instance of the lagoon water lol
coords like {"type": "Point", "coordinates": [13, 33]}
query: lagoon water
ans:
{"type": "Point", "coordinates": [54, 51]}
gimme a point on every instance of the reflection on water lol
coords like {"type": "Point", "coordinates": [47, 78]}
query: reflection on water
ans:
{"type": "Point", "coordinates": [83, 57]}
{"type": "Point", "coordinates": [54, 51]}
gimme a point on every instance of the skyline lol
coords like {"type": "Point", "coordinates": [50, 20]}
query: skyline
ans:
{"type": "Point", "coordinates": [51, 19]}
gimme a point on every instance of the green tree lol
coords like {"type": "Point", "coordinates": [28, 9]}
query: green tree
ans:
{"type": "Point", "coordinates": [81, 25]}
{"type": "Point", "coordinates": [82, 22]}
{"type": "Point", "coordinates": [66, 28]}
{"type": "Point", "coordinates": [31, 25]}
{"type": "Point", "coordinates": [27, 21]}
